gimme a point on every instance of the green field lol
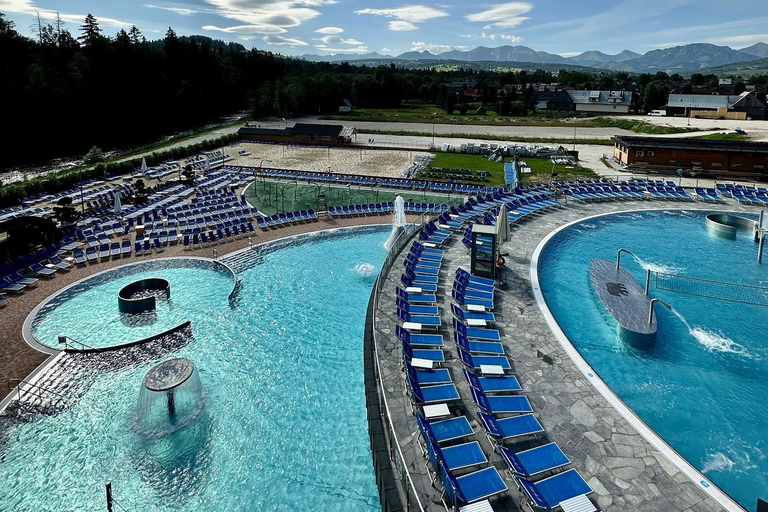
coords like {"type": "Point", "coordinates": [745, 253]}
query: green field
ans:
{"type": "Point", "coordinates": [540, 169]}
{"type": "Point", "coordinates": [724, 136]}
{"type": "Point", "coordinates": [271, 197]}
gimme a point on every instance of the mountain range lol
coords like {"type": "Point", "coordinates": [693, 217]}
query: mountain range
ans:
{"type": "Point", "coordinates": [677, 59]}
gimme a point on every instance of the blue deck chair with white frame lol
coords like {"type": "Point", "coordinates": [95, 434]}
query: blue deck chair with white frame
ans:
{"type": "Point", "coordinates": [428, 377]}
{"type": "Point", "coordinates": [492, 384]}
{"type": "Point", "coordinates": [505, 404]}
{"type": "Point", "coordinates": [432, 394]}
{"type": "Point", "coordinates": [475, 279]}
{"type": "Point", "coordinates": [547, 494]}
{"type": "Point", "coordinates": [478, 347]}
{"type": "Point", "coordinates": [453, 458]}
{"type": "Point", "coordinates": [422, 286]}
{"type": "Point", "coordinates": [415, 298]}
{"type": "Point", "coordinates": [468, 317]}
{"type": "Point", "coordinates": [420, 279]}
{"type": "Point", "coordinates": [535, 461]}
{"type": "Point", "coordinates": [444, 431]}
{"type": "Point", "coordinates": [476, 362]}
{"type": "Point", "coordinates": [470, 302]}
{"type": "Point", "coordinates": [419, 340]}
{"type": "Point", "coordinates": [435, 355]}
{"type": "Point", "coordinates": [478, 485]}
{"type": "Point", "coordinates": [499, 430]}
{"type": "Point", "coordinates": [417, 309]}
{"type": "Point", "coordinates": [424, 320]}
{"type": "Point", "coordinates": [476, 333]}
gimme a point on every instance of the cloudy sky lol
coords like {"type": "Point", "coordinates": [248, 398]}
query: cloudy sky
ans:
{"type": "Point", "coordinates": [360, 26]}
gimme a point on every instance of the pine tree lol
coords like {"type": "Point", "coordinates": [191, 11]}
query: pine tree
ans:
{"type": "Point", "coordinates": [134, 34]}
{"type": "Point", "coordinates": [90, 30]}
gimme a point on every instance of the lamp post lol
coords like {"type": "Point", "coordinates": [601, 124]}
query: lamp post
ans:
{"type": "Point", "coordinates": [433, 129]}
{"type": "Point", "coordinates": [286, 135]}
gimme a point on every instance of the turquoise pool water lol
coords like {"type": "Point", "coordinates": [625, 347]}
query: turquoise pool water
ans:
{"type": "Point", "coordinates": [284, 425]}
{"type": "Point", "coordinates": [702, 387]}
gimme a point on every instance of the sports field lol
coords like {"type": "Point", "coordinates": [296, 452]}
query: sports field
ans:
{"type": "Point", "coordinates": [271, 197]}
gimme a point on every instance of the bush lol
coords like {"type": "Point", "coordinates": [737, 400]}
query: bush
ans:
{"type": "Point", "coordinates": [95, 155]}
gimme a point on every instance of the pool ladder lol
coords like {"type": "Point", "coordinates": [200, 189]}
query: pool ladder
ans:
{"type": "Point", "coordinates": [37, 391]}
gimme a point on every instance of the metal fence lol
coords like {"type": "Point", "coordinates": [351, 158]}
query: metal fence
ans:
{"type": "Point", "coordinates": [719, 290]}
{"type": "Point", "coordinates": [400, 466]}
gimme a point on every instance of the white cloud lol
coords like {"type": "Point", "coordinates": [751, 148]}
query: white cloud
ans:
{"type": "Point", "coordinates": [401, 26]}
{"type": "Point", "coordinates": [339, 40]}
{"type": "Point", "coordinates": [29, 8]}
{"type": "Point", "coordinates": [267, 16]}
{"type": "Point", "coordinates": [418, 46]}
{"type": "Point", "coordinates": [406, 17]}
{"type": "Point", "coordinates": [507, 15]}
{"type": "Point", "coordinates": [330, 30]}
{"type": "Point", "coordinates": [357, 49]}
{"type": "Point", "coordinates": [502, 37]}
{"type": "Point", "coordinates": [280, 40]}
{"type": "Point", "coordinates": [386, 49]}
{"type": "Point", "coordinates": [183, 11]}
{"type": "Point", "coordinates": [245, 30]}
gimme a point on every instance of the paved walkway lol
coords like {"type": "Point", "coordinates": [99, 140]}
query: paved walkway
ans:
{"type": "Point", "coordinates": [624, 470]}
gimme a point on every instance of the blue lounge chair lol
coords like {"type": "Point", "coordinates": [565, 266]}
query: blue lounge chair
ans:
{"type": "Point", "coordinates": [428, 377]}
{"type": "Point", "coordinates": [432, 394]}
{"type": "Point", "coordinates": [421, 285]}
{"type": "Point", "coordinates": [79, 257]}
{"type": "Point", "coordinates": [425, 320]}
{"type": "Point", "coordinates": [472, 487]}
{"type": "Point", "coordinates": [42, 271]}
{"type": "Point", "coordinates": [425, 309]}
{"type": "Point", "coordinates": [462, 300]}
{"type": "Point", "coordinates": [547, 494]}
{"type": "Point", "coordinates": [493, 384]}
{"type": "Point", "coordinates": [422, 340]}
{"type": "Point", "coordinates": [435, 355]}
{"type": "Point", "coordinates": [17, 278]}
{"type": "Point", "coordinates": [507, 404]}
{"type": "Point", "coordinates": [445, 430]}
{"type": "Point", "coordinates": [471, 315]}
{"type": "Point", "coordinates": [476, 361]}
{"type": "Point", "coordinates": [454, 458]}
{"type": "Point", "coordinates": [125, 248]}
{"type": "Point", "coordinates": [533, 462]}
{"type": "Point", "coordinates": [478, 347]}
{"type": "Point", "coordinates": [7, 286]}
{"type": "Point", "coordinates": [415, 298]}
{"type": "Point", "coordinates": [476, 333]}
{"type": "Point", "coordinates": [499, 430]}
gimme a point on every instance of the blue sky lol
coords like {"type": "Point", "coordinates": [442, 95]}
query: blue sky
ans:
{"type": "Point", "coordinates": [359, 26]}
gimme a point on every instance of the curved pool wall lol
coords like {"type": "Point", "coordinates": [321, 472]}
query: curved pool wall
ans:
{"type": "Point", "coordinates": [591, 373]}
{"type": "Point", "coordinates": [728, 225]}
{"type": "Point", "coordinates": [342, 493]}
{"type": "Point", "coordinates": [50, 344]}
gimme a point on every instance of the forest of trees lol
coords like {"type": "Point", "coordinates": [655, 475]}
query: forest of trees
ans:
{"type": "Point", "coordinates": [65, 93]}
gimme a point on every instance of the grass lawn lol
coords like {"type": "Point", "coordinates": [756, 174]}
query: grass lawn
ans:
{"type": "Point", "coordinates": [540, 169]}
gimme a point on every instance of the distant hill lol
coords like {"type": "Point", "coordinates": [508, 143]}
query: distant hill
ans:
{"type": "Point", "coordinates": [598, 59]}
{"type": "Point", "coordinates": [757, 49]}
{"type": "Point", "coordinates": [689, 57]}
{"type": "Point", "coordinates": [677, 59]}
{"type": "Point", "coordinates": [750, 67]}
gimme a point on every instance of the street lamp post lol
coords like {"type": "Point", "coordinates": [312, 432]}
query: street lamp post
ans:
{"type": "Point", "coordinates": [433, 129]}
{"type": "Point", "coordinates": [286, 135]}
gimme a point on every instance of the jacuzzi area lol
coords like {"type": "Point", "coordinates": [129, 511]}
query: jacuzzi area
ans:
{"type": "Point", "coordinates": [700, 383]}
{"type": "Point", "coordinates": [281, 423]}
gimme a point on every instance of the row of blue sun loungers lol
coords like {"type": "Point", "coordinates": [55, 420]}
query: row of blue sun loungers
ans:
{"type": "Point", "coordinates": [456, 460]}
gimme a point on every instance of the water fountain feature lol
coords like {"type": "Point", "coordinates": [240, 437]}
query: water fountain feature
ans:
{"type": "Point", "coordinates": [170, 399]}
{"type": "Point", "coordinates": [398, 222]}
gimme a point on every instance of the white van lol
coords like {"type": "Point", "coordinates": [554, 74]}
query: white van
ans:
{"type": "Point", "coordinates": [657, 113]}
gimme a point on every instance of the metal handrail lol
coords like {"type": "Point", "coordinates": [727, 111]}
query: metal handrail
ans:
{"type": "Point", "coordinates": [32, 385]}
{"type": "Point", "coordinates": [400, 242]}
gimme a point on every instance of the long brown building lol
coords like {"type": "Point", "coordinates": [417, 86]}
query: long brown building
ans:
{"type": "Point", "coordinates": [715, 157]}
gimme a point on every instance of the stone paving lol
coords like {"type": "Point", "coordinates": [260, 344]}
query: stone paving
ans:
{"type": "Point", "coordinates": [626, 472]}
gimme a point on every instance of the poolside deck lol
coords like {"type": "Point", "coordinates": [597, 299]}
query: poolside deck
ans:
{"type": "Point", "coordinates": [626, 472]}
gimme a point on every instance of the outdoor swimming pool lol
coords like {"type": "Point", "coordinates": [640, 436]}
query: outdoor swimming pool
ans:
{"type": "Point", "coordinates": [701, 386]}
{"type": "Point", "coordinates": [284, 425]}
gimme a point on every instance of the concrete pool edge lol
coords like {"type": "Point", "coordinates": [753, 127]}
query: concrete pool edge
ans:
{"type": "Point", "coordinates": [33, 342]}
{"type": "Point", "coordinates": [626, 412]}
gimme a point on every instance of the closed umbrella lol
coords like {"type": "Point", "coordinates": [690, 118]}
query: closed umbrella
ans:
{"type": "Point", "coordinates": [502, 226]}
{"type": "Point", "coordinates": [207, 163]}
{"type": "Point", "coordinates": [118, 205]}
{"type": "Point", "coordinates": [144, 167]}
